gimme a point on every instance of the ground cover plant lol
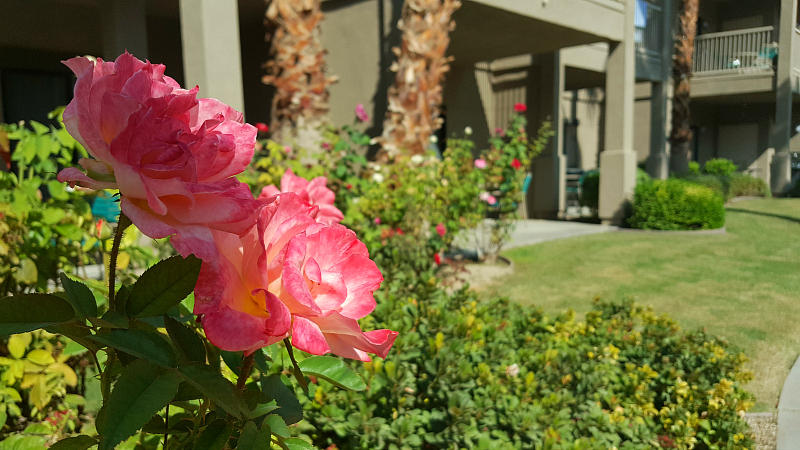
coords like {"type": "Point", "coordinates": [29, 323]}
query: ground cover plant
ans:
{"type": "Point", "coordinates": [740, 285]}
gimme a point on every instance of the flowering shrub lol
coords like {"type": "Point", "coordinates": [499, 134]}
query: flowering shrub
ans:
{"type": "Point", "coordinates": [278, 269]}
{"type": "Point", "coordinates": [497, 375]}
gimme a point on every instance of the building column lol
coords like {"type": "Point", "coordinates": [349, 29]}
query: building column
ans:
{"type": "Point", "coordinates": [211, 51]}
{"type": "Point", "coordinates": [782, 128]}
{"type": "Point", "coordinates": [658, 161]}
{"type": "Point", "coordinates": [547, 194]}
{"type": "Point", "coordinates": [124, 28]}
{"type": "Point", "coordinates": [618, 160]}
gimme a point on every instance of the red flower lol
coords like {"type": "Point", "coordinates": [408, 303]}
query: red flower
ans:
{"type": "Point", "coordinates": [437, 259]}
{"type": "Point", "coordinates": [399, 231]}
{"type": "Point", "coordinates": [262, 127]}
{"type": "Point", "coordinates": [520, 107]}
{"type": "Point", "coordinates": [349, 186]}
{"type": "Point", "coordinates": [516, 164]}
{"type": "Point", "coordinates": [441, 229]}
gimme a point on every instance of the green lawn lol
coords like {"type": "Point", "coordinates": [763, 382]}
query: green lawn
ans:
{"type": "Point", "coordinates": [743, 285]}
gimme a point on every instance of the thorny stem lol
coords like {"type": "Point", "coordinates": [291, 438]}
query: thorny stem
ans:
{"type": "Point", "coordinates": [297, 372]}
{"type": "Point", "coordinates": [244, 372]}
{"type": "Point", "coordinates": [166, 426]}
{"type": "Point", "coordinates": [112, 265]}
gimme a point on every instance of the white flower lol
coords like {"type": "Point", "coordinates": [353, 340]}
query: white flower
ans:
{"type": "Point", "coordinates": [468, 131]}
{"type": "Point", "coordinates": [417, 159]}
{"type": "Point", "coordinates": [445, 182]}
{"type": "Point", "coordinates": [376, 168]}
{"type": "Point", "coordinates": [512, 370]}
{"type": "Point", "coordinates": [434, 139]}
{"type": "Point", "coordinates": [356, 200]}
{"type": "Point", "coordinates": [378, 178]}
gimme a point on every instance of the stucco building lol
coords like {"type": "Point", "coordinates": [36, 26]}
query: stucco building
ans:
{"type": "Point", "coordinates": [599, 69]}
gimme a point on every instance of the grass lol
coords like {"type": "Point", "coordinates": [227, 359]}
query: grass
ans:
{"type": "Point", "coordinates": [743, 285]}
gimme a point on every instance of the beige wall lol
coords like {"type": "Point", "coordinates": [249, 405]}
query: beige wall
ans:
{"type": "Point", "coordinates": [641, 127]}
{"type": "Point", "coordinates": [586, 107]}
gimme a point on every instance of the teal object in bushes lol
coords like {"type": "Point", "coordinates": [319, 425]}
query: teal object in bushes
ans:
{"type": "Point", "coordinates": [106, 207]}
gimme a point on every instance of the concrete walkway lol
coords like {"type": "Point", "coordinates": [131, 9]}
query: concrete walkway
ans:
{"type": "Point", "coordinates": [789, 411]}
{"type": "Point", "coordinates": [529, 232]}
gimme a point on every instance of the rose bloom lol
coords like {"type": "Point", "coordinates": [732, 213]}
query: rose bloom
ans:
{"type": "Point", "coordinates": [262, 127]}
{"type": "Point", "coordinates": [516, 164]}
{"type": "Point", "coordinates": [291, 277]}
{"type": "Point", "coordinates": [315, 192]}
{"type": "Point", "coordinates": [361, 113]}
{"type": "Point", "coordinates": [520, 107]}
{"type": "Point", "coordinates": [491, 200]}
{"type": "Point", "coordinates": [437, 259]}
{"type": "Point", "coordinates": [441, 229]}
{"type": "Point", "coordinates": [172, 156]}
{"type": "Point", "coordinates": [480, 163]}
{"type": "Point", "coordinates": [499, 131]}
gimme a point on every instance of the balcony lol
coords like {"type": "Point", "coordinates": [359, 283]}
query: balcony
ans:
{"type": "Point", "coordinates": [734, 62]}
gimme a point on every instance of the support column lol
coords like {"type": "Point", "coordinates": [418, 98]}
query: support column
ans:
{"type": "Point", "coordinates": [211, 51]}
{"type": "Point", "coordinates": [618, 160]}
{"type": "Point", "coordinates": [658, 161]}
{"type": "Point", "coordinates": [782, 128]}
{"type": "Point", "coordinates": [124, 28]}
{"type": "Point", "coordinates": [547, 194]}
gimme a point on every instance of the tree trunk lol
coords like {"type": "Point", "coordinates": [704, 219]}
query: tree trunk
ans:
{"type": "Point", "coordinates": [416, 95]}
{"type": "Point", "coordinates": [297, 69]}
{"type": "Point", "coordinates": [681, 134]}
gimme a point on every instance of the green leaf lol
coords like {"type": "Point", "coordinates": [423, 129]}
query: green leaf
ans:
{"type": "Point", "coordinates": [143, 344]}
{"type": "Point", "coordinates": [248, 436]}
{"type": "Point", "coordinates": [189, 344]}
{"type": "Point", "coordinates": [81, 442]}
{"type": "Point", "coordinates": [80, 336]}
{"type": "Point", "coordinates": [27, 312]}
{"type": "Point", "coordinates": [51, 216]}
{"type": "Point", "coordinates": [214, 436]}
{"type": "Point", "coordinates": [57, 190]}
{"type": "Point", "coordinates": [333, 370]}
{"type": "Point", "coordinates": [298, 444]}
{"type": "Point", "coordinates": [27, 273]}
{"type": "Point", "coordinates": [141, 391]}
{"type": "Point", "coordinates": [277, 425]}
{"type": "Point", "coordinates": [216, 387]}
{"type": "Point", "coordinates": [289, 407]}
{"type": "Point", "coordinates": [163, 286]}
{"type": "Point", "coordinates": [79, 296]}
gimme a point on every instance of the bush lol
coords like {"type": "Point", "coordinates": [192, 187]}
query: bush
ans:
{"type": "Point", "coordinates": [675, 204]}
{"type": "Point", "coordinates": [590, 189]}
{"type": "Point", "coordinates": [497, 375]}
{"type": "Point", "coordinates": [719, 166]}
{"type": "Point", "coordinates": [743, 185]}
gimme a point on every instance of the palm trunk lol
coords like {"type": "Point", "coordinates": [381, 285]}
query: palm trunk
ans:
{"type": "Point", "coordinates": [416, 96]}
{"type": "Point", "coordinates": [681, 134]}
{"type": "Point", "coordinates": [297, 69]}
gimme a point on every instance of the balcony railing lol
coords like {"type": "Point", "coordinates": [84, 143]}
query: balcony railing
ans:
{"type": "Point", "coordinates": [734, 52]}
{"type": "Point", "coordinates": [648, 27]}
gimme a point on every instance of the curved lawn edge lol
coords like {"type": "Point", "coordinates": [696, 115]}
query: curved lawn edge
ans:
{"type": "Point", "coordinates": [673, 232]}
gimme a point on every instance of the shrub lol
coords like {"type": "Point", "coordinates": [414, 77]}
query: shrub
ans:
{"type": "Point", "coordinates": [719, 166]}
{"type": "Point", "coordinates": [743, 185]}
{"type": "Point", "coordinates": [675, 204]}
{"type": "Point", "coordinates": [694, 168]}
{"type": "Point", "coordinates": [497, 375]}
{"type": "Point", "coordinates": [590, 189]}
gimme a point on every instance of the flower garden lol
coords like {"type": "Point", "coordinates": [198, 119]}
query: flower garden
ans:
{"type": "Point", "coordinates": [261, 294]}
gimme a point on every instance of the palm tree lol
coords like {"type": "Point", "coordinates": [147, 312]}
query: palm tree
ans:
{"type": "Point", "coordinates": [681, 134]}
{"type": "Point", "coordinates": [416, 95]}
{"type": "Point", "coordinates": [297, 67]}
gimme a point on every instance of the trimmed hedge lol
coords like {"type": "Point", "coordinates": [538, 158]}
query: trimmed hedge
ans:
{"type": "Point", "coordinates": [743, 185]}
{"type": "Point", "coordinates": [676, 204]}
{"type": "Point", "coordinates": [719, 166]}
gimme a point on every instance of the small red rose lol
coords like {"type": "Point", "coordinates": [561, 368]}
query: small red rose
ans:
{"type": "Point", "coordinates": [437, 259]}
{"type": "Point", "coordinates": [516, 164]}
{"type": "Point", "coordinates": [520, 107]}
{"type": "Point", "coordinates": [262, 127]}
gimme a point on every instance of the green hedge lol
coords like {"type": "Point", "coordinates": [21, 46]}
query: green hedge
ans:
{"type": "Point", "coordinates": [719, 166]}
{"type": "Point", "coordinates": [675, 204]}
{"type": "Point", "coordinates": [470, 374]}
{"type": "Point", "coordinates": [743, 185]}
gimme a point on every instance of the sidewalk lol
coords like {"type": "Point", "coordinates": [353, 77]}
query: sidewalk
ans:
{"type": "Point", "coordinates": [529, 232]}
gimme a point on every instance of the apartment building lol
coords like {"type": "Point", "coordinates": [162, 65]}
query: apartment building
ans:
{"type": "Point", "coordinates": [598, 69]}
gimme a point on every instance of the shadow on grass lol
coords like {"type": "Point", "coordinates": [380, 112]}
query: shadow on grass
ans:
{"type": "Point", "coordinates": [766, 214]}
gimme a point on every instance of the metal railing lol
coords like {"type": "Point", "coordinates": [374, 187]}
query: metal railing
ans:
{"type": "Point", "coordinates": [734, 52]}
{"type": "Point", "coordinates": [648, 37]}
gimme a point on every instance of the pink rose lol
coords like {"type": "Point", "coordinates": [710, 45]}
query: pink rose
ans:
{"type": "Point", "coordinates": [315, 192]}
{"type": "Point", "coordinates": [499, 131]}
{"type": "Point", "coordinates": [480, 163]}
{"type": "Point", "coordinates": [240, 312]}
{"type": "Point", "coordinates": [361, 113]}
{"type": "Point", "coordinates": [491, 200]}
{"type": "Point", "coordinates": [441, 229]}
{"type": "Point", "coordinates": [520, 107]}
{"type": "Point", "coordinates": [291, 276]}
{"type": "Point", "coordinates": [172, 156]}
{"type": "Point", "coordinates": [377, 221]}
{"type": "Point", "coordinates": [327, 283]}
